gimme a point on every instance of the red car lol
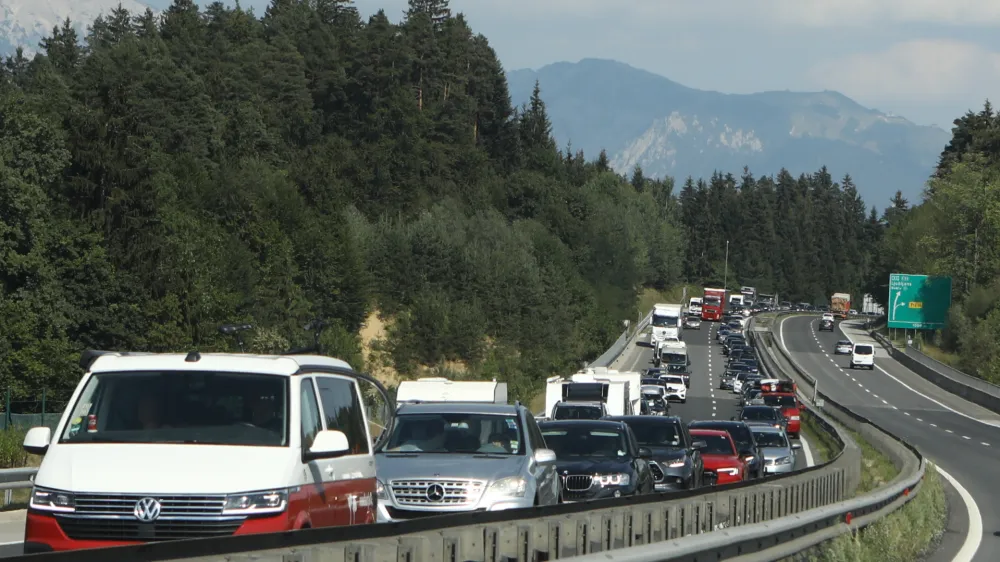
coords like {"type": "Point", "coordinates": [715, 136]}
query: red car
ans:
{"type": "Point", "coordinates": [720, 456]}
{"type": "Point", "coordinates": [790, 409]}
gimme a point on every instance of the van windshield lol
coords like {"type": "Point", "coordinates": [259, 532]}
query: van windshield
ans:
{"type": "Point", "coordinates": [863, 349]}
{"type": "Point", "coordinates": [190, 407]}
{"type": "Point", "coordinates": [674, 358]}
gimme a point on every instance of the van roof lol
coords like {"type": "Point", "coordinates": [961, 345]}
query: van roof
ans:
{"type": "Point", "coordinates": [287, 365]}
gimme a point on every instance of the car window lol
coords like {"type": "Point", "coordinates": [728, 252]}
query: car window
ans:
{"type": "Point", "coordinates": [343, 412]}
{"type": "Point", "coordinates": [534, 433]}
{"type": "Point", "coordinates": [770, 439]}
{"type": "Point", "coordinates": [863, 349]}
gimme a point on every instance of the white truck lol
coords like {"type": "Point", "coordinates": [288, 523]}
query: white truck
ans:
{"type": "Point", "coordinates": [632, 380]}
{"type": "Point", "coordinates": [736, 300]}
{"type": "Point", "coordinates": [439, 389]}
{"type": "Point", "coordinates": [694, 307]}
{"type": "Point", "coordinates": [749, 295]}
{"type": "Point", "coordinates": [665, 324]}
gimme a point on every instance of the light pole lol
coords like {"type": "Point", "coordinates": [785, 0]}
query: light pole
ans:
{"type": "Point", "coordinates": [725, 279]}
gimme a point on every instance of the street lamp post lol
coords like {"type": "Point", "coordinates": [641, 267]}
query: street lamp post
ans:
{"type": "Point", "coordinates": [725, 279]}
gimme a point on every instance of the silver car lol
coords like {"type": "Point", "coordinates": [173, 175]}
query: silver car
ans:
{"type": "Point", "coordinates": [463, 457]}
{"type": "Point", "coordinates": [778, 451]}
{"type": "Point", "coordinates": [844, 347]}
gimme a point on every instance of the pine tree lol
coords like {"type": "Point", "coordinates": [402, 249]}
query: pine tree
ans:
{"type": "Point", "coordinates": [437, 10]}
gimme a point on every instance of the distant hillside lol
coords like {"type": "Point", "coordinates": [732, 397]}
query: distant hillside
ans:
{"type": "Point", "coordinates": [670, 129]}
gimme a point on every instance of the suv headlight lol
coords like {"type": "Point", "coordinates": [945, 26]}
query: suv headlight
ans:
{"type": "Point", "coordinates": [510, 487]}
{"type": "Point", "coordinates": [677, 463]}
{"type": "Point", "coordinates": [270, 501]}
{"type": "Point", "coordinates": [783, 460]}
{"type": "Point", "coordinates": [380, 492]}
{"type": "Point", "coordinates": [612, 479]}
{"type": "Point", "coordinates": [52, 500]}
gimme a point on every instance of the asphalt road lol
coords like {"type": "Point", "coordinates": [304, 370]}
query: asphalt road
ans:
{"type": "Point", "coordinates": [704, 399]}
{"type": "Point", "coordinates": [960, 437]}
{"type": "Point", "coordinates": [11, 533]}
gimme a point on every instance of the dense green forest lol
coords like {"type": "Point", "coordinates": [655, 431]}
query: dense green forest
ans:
{"type": "Point", "coordinates": [955, 231]}
{"type": "Point", "coordinates": [165, 175]}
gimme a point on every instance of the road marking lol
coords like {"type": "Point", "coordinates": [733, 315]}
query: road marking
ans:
{"type": "Point", "coordinates": [966, 437]}
{"type": "Point", "coordinates": [984, 443]}
{"type": "Point", "coordinates": [919, 420]}
{"type": "Point", "coordinates": [807, 452]}
{"type": "Point", "coordinates": [975, 534]}
{"type": "Point", "coordinates": [949, 431]}
{"type": "Point", "coordinates": [906, 413]}
{"type": "Point", "coordinates": [933, 425]}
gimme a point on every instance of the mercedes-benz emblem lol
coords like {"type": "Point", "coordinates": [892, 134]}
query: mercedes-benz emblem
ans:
{"type": "Point", "coordinates": [435, 492]}
{"type": "Point", "coordinates": [147, 510]}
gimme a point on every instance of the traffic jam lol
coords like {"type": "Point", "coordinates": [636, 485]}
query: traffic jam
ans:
{"type": "Point", "coordinates": [159, 447]}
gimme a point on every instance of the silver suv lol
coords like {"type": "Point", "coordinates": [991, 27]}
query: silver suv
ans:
{"type": "Point", "coordinates": [458, 457]}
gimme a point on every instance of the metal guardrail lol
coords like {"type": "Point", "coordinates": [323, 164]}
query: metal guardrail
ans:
{"type": "Point", "coordinates": [762, 520]}
{"type": "Point", "coordinates": [622, 343]}
{"type": "Point", "coordinates": [17, 478]}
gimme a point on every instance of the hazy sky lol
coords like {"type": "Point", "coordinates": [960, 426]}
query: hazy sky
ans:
{"type": "Point", "coordinates": [927, 60]}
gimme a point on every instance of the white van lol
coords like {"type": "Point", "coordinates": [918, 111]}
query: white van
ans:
{"type": "Point", "coordinates": [174, 446]}
{"type": "Point", "coordinates": [863, 355]}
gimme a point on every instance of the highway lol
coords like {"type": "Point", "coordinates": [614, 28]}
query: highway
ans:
{"type": "Point", "coordinates": [961, 438]}
{"type": "Point", "coordinates": [704, 400]}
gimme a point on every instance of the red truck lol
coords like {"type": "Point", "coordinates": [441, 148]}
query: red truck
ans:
{"type": "Point", "coordinates": [712, 304]}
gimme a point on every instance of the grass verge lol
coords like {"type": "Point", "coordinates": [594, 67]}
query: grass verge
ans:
{"type": "Point", "coordinates": [876, 467]}
{"type": "Point", "coordinates": [821, 444]}
{"type": "Point", "coordinates": [906, 535]}
{"type": "Point", "coordinates": [938, 354]}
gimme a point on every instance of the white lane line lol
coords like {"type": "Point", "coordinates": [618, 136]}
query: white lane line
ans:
{"type": "Point", "coordinates": [919, 420]}
{"type": "Point", "coordinates": [807, 452]}
{"type": "Point", "coordinates": [906, 413]}
{"type": "Point", "coordinates": [918, 393]}
{"type": "Point", "coordinates": [984, 443]}
{"type": "Point", "coordinates": [884, 402]}
{"type": "Point", "coordinates": [966, 437]}
{"type": "Point", "coordinates": [975, 534]}
{"type": "Point", "coordinates": [949, 431]}
{"type": "Point", "coordinates": [933, 425]}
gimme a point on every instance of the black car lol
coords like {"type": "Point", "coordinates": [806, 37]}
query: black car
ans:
{"type": "Point", "coordinates": [826, 325]}
{"type": "Point", "coordinates": [762, 415]}
{"type": "Point", "coordinates": [598, 459]}
{"type": "Point", "coordinates": [727, 378]}
{"type": "Point", "coordinates": [744, 439]}
{"type": "Point", "coordinates": [676, 461]}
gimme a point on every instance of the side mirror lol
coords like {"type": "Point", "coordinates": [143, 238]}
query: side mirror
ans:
{"type": "Point", "coordinates": [327, 444]}
{"type": "Point", "coordinates": [545, 456]}
{"type": "Point", "coordinates": [796, 446]}
{"type": "Point", "coordinates": [699, 445]}
{"type": "Point", "coordinates": [645, 453]}
{"type": "Point", "coordinates": [36, 441]}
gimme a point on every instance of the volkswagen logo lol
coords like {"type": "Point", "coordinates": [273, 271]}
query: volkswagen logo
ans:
{"type": "Point", "coordinates": [147, 510]}
{"type": "Point", "coordinates": [435, 493]}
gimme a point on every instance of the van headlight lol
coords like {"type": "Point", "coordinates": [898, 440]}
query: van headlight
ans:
{"type": "Point", "coordinates": [380, 492]}
{"type": "Point", "coordinates": [271, 501]}
{"type": "Point", "coordinates": [510, 487]}
{"type": "Point", "coordinates": [52, 500]}
{"type": "Point", "coordinates": [612, 479]}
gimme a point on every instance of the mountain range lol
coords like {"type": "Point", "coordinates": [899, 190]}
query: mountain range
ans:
{"type": "Point", "coordinates": [644, 119]}
{"type": "Point", "coordinates": [24, 23]}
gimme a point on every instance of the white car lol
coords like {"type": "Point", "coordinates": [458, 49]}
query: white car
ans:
{"type": "Point", "coordinates": [844, 347]}
{"type": "Point", "coordinates": [675, 388]}
{"type": "Point", "coordinates": [863, 355]}
{"type": "Point", "coordinates": [829, 316]}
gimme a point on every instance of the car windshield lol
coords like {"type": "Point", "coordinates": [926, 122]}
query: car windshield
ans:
{"type": "Point", "coordinates": [710, 300]}
{"type": "Point", "coordinates": [191, 407]}
{"type": "Point", "coordinates": [577, 412]}
{"type": "Point", "coordinates": [676, 368]}
{"type": "Point", "coordinates": [585, 442]}
{"type": "Point", "coordinates": [672, 379]}
{"type": "Point", "coordinates": [739, 432]}
{"type": "Point", "coordinates": [715, 444]}
{"type": "Point", "coordinates": [456, 433]}
{"type": "Point", "coordinates": [759, 414]}
{"type": "Point", "coordinates": [770, 439]}
{"type": "Point", "coordinates": [863, 349]}
{"type": "Point", "coordinates": [651, 434]}
{"type": "Point", "coordinates": [783, 401]}
{"type": "Point", "coordinates": [842, 343]}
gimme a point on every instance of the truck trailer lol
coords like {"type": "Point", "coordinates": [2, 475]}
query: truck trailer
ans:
{"type": "Point", "coordinates": [840, 304]}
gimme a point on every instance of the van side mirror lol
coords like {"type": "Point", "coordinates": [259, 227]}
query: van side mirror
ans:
{"type": "Point", "coordinates": [796, 446]}
{"type": "Point", "coordinates": [327, 444]}
{"type": "Point", "coordinates": [645, 453]}
{"type": "Point", "coordinates": [36, 441]}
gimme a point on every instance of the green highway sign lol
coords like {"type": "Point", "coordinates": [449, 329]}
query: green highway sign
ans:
{"type": "Point", "coordinates": [918, 302]}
